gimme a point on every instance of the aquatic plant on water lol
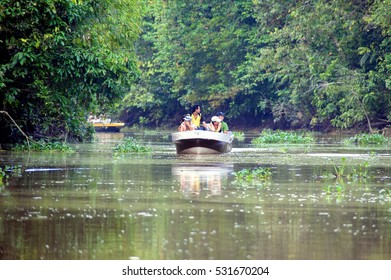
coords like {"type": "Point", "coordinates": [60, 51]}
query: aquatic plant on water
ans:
{"type": "Point", "coordinates": [341, 173]}
{"type": "Point", "coordinates": [283, 137]}
{"type": "Point", "coordinates": [367, 139]}
{"type": "Point", "coordinates": [252, 176]}
{"type": "Point", "coordinates": [334, 188]}
{"type": "Point", "coordinates": [239, 135]}
{"type": "Point", "coordinates": [385, 193]}
{"type": "Point", "coordinates": [131, 146]}
{"type": "Point", "coordinates": [339, 170]}
{"type": "Point", "coordinates": [9, 171]}
{"type": "Point", "coordinates": [2, 174]}
{"type": "Point", "coordinates": [358, 172]}
{"type": "Point", "coordinates": [42, 146]}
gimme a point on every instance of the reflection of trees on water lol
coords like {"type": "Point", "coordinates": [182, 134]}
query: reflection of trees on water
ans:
{"type": "Point", "coordinates": [197, 179]}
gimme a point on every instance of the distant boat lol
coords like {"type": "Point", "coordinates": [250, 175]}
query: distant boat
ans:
{"type": "Point", "coordinates": [202, 142]}
{"type": "Point", "coordinates": [108, 127]}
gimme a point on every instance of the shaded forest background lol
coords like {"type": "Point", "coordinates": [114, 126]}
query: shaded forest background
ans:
{"type": "Point", "coordinates": [282, 64]}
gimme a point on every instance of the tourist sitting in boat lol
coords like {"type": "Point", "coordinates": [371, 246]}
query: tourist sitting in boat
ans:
{"type": "Point", "coordinates": [224, 125]}
{"type": "Point", "coordinates": [186, 124]}
{"type": "Point", "coordinates": [94, 119]}
{"type": "Point", "coordinates": [215, 124]}
{"type": "Point", "coordinates": [91, 117]}
{"type": "Point", "coordinates": [197, 118]}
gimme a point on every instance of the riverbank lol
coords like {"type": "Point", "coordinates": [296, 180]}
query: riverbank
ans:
{"type": "Point", "coordinates": [328, 130]}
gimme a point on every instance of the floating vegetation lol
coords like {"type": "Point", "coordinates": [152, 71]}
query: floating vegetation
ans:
{"type": "Point", "coordinates": [42, 146]}
{"type": "Point", "coordinates": [367, 139]}
{"type": "Point", "coordinates": [385, 192]}
{"type": "Point", "coordinates": [341, 172]}
{"type": "Point", "coordinates": [334, 188]}
{"type": "Point", "coordinates": [283, 137]}
{"type": "Point", "coordinates": [358, 172]}
{"type": "Point", "coordinates": [239, 135]}
{"type": "Point", "coordinates": [9, 171]}
{"type": "Point", "coordinates": [252, 176]}
{"type": "Point", "coordinates": [131, 146]}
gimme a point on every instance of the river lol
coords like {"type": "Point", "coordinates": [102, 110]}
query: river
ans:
{"type": "Point", "coordinates": [93, 205]}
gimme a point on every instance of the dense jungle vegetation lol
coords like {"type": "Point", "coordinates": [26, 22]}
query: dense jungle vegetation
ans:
{"type": "Point", "coordinates": [283, 64]}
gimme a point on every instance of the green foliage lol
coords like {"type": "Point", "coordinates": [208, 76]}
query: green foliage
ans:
{"type": "Point", "coordinates": [43, 146]}
{"type": "Point", "coordinates": [239, 135]}
{"type": "Point", "coordinates": [57, 63]}
{"type": "Point", "coordinates": [252, 176]}
{"type": "Point", "coordinates": [284, 61]}
{"type": "Point", "coordinates": [131, 146]}
{"type": "Point", "coordinates": [367, 139]}
{"type": "Point", "coordinates": [8, 172]}
{"type": "Point", "coordinates": [339, 170]}
{"type": "Point", "coordinates": [341, 173]}
{"type": "Point", "coordinates": [280, 63]}
{"type": "Point", "coordinates": [385, 192]}
{"type": "Point", "coordinates": [335, 188]}
{"type": "Point", "coordinates": [283, 137]}
{"type": "Point", "coordinates": [189, 52]}
{"type": "Point", "coordinates": [359, 172]}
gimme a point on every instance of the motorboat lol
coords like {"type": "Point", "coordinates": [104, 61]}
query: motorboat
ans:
{"type": "Point", "coordinates": [202, 142]}
{"type": "Point", "coordinates": [108, 127]}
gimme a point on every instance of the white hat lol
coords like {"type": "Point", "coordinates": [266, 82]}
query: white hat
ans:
{"type": "Point", "coordinates": [187, 118]}
{"type": "Point", "coordinates": [215, 119]}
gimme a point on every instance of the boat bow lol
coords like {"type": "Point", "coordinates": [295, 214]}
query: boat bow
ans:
{"type": "Point", "coordinates": [202, 142]}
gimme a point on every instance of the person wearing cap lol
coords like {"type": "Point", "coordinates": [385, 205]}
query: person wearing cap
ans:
{"type": "Point", "coordinates": [215, 124]}
{"type": "Point", "coordinates": [224, 125]}
{"type": "Point", "coordinates": [186, 124]}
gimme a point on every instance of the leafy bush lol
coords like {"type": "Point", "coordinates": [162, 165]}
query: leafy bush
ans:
{"type": "Point", "coordinates": [284, 137]}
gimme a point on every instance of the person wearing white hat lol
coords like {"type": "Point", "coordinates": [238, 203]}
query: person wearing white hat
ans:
{"type": "Point", "coordinates": [186, 124]}
{"type": "Point", "coordinates": [215, 124]}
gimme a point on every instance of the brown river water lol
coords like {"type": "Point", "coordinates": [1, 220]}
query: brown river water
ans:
{"type": "Point", "coordinates": [93, 205]}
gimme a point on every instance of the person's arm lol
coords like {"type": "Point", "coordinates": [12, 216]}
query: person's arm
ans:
{"type": "Point", "coordinates": [218, 127]}
{"type": "Point", "coordinates": [224, 127]}
{"type": "Point", "coordinates": [203, 123]}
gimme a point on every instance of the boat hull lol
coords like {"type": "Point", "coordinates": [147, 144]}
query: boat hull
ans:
{"type": "Point", "coordinates": [109, 127]}
{"type": "Point", "coordinates": [202, 142]}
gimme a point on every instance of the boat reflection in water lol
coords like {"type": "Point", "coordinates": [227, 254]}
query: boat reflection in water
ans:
{"type": "Point", "coordinates": [205, 179]}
